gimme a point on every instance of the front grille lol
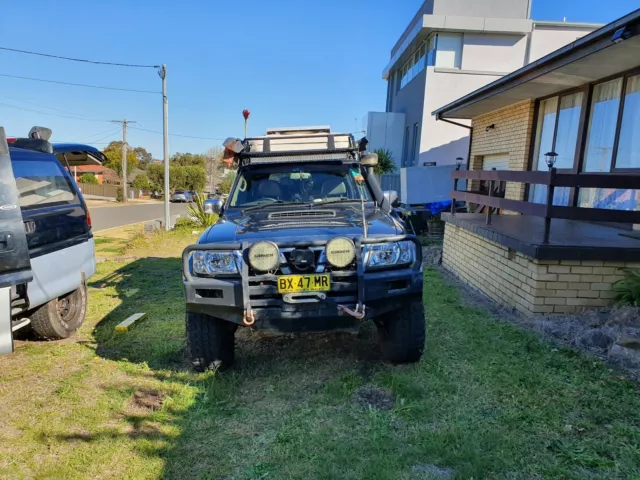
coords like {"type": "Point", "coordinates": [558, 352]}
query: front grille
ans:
{"type": "Point", "coordinates": [303, 214]}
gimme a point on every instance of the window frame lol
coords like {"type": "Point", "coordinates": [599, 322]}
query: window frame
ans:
{"type": "Point", "coordinates": [583, 127]}
{"type": "Point", "coordinates": [584, 121]}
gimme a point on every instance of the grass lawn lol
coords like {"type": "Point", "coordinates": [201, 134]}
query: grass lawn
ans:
{"type": "Point", "coordinates": [487, 400]}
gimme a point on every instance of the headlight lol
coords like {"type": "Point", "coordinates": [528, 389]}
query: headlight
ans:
{"type": "Point", "coordinates": [389, 254]}
{"type": "Point", "coordinates": [340, 252]}
{"type": "Point", "coordinates": [264, 256]}
{"type": "Point", "coordinates": [212, 262]}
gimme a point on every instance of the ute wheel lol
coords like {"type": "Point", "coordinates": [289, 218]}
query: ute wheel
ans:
{"type": "Point", "coordinates": [403, 334]}
{"type": "Point", "coordinates": [210, 341]}
{"type": "Point", "coordinates": [60, 317]}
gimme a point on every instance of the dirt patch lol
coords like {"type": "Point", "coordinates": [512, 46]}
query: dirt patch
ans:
{"type": "Point", "coordinates": [433, 471]}
{"type": "Point", "coordinates": [374, 397]}
{"type": "Point", "coordinates": [148, 399]}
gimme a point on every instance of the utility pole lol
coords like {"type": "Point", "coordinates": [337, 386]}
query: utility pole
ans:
{"type": "Point", "coordinates": [124, 155]}
{"type": "Point", "coordinates": [165, 133]}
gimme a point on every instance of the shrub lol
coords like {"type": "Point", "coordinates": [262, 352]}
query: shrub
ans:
{"type": "Point", "coordinates": [628, 290]}
{"type": "Point", "coordinates": [141, 182]}
{"type": "Point", "coordinates": [385, 162]}
{"type": "Point", "coordinates": [119, 195]}
{"type": "Point", "coordinates": [88, 178]}
{"type": "Point", "coordinates": [185, 223]}
{"type": "Point", "coordinates": [197, 213]}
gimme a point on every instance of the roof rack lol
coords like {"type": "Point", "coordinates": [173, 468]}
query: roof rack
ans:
{"type": "Point", "coordinates": [283, 145]}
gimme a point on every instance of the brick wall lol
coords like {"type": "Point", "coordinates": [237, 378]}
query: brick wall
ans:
{"type": "Point", "coordinates": [527, 285]}
{"type": "Point", "coordinates": [511, 136]}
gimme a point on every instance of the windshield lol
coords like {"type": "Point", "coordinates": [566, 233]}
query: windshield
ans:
{"type": "Point", "coordinates": [299, 184]}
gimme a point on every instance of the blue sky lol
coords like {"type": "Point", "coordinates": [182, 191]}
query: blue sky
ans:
{"type": "Point", "coordinates": [289, 62]}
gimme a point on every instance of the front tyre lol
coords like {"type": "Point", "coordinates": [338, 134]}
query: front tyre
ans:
{"type": "Point", "coordinates": [402, 334]}
{"type": "Point", "coordinates": [60, 317]}
{"type": "Point", "coordinates": [210, 342]}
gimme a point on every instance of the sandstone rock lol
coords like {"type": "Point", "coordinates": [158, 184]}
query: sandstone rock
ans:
{"type": "Point", "coordinates": [625, 316]}
{"type": "Point", "coordinates": [628, 341]}
{"type": "Point", "coordinates": [629, 357]}
{"type": "Point", "coordinates": [595, 338]}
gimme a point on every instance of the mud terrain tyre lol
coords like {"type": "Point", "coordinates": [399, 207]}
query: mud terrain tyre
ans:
{"type": "Point", "coordinates": [210, 342]}
{"type": "Point", "coordinates": [402, 334]}
{"type": "Point", "coordinates": [60, 317]}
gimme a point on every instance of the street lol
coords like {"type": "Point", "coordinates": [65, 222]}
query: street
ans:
{"type": "Point", "coordinates": [103, 217]}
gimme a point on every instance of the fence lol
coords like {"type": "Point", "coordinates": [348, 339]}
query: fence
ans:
{"type": "Point", "coordinates": [547, 210]}
{"type": "Point", "coordinates": [104, 190]}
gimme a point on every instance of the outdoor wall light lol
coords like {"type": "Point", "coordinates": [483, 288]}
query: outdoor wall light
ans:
{"type": "Point", "coordinates": [550, 158]}
{"type": "Point", "coordinates": [490, 127]}
{"type": "Point", "coordinates": [459, 161]}
{"type": "Point", "coordinates": [621, 35]}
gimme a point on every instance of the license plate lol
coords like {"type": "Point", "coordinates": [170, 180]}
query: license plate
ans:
{"type": "Point", "coordinates": [303, 283]}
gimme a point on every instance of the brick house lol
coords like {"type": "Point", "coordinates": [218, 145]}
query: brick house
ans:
{"type": "Point", "coordinates": [553, 178]}
{"type": "Point", "coordinates": [102, 174]}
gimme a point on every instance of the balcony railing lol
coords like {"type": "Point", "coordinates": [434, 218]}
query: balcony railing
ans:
{"type": "Point", "coordinates": [548, 210]}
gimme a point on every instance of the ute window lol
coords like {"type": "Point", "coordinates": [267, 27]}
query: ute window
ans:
{"type": "Point", "coordinates": [42, 183]}
{"type": "Point", "coordinates": [298, 184]}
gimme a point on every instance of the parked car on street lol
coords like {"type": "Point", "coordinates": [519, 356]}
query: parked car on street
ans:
{"type": "Point", "coordinates": [306, 242]}
{"type": "Point", "coordinates": [60, 242]}
{"type": "Point", "coordinates": [181, 196]}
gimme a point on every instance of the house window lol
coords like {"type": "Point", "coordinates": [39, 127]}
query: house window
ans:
{"type": "Point", "coordinates": [405, 146]}
{"type": "Point", "coordinates": [612, 141]}
{"type": "Point", "coordinates": [414, 149]}
{"type": "Point", "coordinates": [449, 53]}
{"type": "Point", "coordinates": [628, 153]}
{"type": "Point", "coordinates": [602, 126]}
{"type": "Point", "coordinates": [557, 131]}
{"type": "Point", "coordinates": [422, 57]}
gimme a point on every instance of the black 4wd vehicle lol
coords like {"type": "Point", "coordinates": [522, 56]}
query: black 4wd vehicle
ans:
{"type": "Point", "coordinates": [306, 242]}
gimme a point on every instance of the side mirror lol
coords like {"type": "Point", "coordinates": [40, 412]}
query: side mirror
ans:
{"type": "Point", "coordinates": [213, 206]}
{"type": "Point", "coordinates": [391, 196]}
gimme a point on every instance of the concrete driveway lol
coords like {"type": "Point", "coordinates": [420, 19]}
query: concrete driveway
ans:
{"type": "Point", "coordinates": [104, 216]}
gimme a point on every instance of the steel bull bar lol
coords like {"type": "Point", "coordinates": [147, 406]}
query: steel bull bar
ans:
{"type": "Point", "coordinates": [248, 317]}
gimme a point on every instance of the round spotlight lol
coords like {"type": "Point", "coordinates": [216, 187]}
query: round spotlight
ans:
{"type": "Point", "coordinates": [340, 252]}
{"type": "Point", "coordinates": [264, 256]}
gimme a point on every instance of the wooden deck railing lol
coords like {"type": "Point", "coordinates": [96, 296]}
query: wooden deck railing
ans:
{"type": "Point", "coordinates": [548, 210]}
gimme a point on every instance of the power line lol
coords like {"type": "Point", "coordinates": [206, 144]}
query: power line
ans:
{"type": "Point", "coordinates": [109, 134]}
{"type": "Point", "coordinates": [49, 113]}
{"type": "Point", "coordinates": [177, 135]}
{"type": "Point", "coordinates": [76, 84]}
{"type": "Point", "coordinates": [78, 59]}
{"type": "Point", "coordinates": [43, 106]}
{"type": "Point", "coordinates": [55, 109]}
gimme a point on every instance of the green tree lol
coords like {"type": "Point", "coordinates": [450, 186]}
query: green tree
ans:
{"type": "Point", "coordinates": [113, 152]}
{"type": "Point", "coordinates": [155, 172]}
{"type": "Point", "coordinates": [141, 182]}
{"type": "Point", "coordinates": [144, 157]}
{"type": "Point", "coordinates": [385, 162]}
{"type": "Point", "coordinates": [88, 178]}
{"type": "Point", "coordinates": [188, 159]}
{"type": "Point", "coordinates": [224, 187]}
{"type": "Point", "coordinates": [177, 177]}
{"type": "Point", "coordinates": [195, 178]}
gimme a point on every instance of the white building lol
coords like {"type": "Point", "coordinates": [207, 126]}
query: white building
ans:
{"type": "Point", "coordinates": [452, 48]}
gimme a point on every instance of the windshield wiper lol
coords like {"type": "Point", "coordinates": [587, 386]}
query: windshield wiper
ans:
{"type": "Point", "coordinates": [268, 204]}
{"type": "Point", "coordinates": [334, 200]}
